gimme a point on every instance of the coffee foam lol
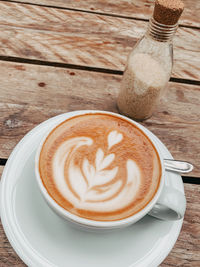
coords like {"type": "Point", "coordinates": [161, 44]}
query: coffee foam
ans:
{"type": "Point", "coordinates": [80, 185]}
{"type": "Point", "coordinates": [93, 167]}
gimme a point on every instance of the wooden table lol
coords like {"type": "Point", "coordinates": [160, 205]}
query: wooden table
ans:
{"type": "Point", "coordinates": [62, 55]}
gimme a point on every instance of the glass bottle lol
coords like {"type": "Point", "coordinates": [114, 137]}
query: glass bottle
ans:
{"type": "Point", "coordinates": [147, 71]}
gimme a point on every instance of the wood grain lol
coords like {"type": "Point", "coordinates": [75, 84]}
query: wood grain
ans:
{"type": "Point", "coordinates": [30, 94]}
{"type": "Point", "coordinates": [186, 251]}
{"type": "Point", "coordinates": [65, 36]}
{"type": "Point", "coordinates": [141, 9]}
{"type": "Point", "coordinates": [184, 254]}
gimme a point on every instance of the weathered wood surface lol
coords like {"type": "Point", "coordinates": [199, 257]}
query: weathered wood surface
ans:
{"type": "Point", "coordinates": [141, 9]}
{"type": "Point", "coordinates": [184, 254]}
{"type": "Point", "coordinates": [31, 94]}
{"type": "Point", "coordinates": [49, 34]}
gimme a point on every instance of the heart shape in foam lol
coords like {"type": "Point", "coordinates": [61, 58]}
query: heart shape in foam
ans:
{"type": "Point", "coordinates": [114, 138]}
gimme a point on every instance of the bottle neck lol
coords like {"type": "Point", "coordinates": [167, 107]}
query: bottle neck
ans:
{"type": "Point", "coordinates": [160, 32]}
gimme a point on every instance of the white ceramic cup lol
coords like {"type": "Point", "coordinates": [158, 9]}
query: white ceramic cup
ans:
{"type": "Point", "coordinates": [167, 204]}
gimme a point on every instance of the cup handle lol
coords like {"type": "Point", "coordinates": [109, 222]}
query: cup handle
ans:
{"type": "Point", "coordinates": [171, 205]}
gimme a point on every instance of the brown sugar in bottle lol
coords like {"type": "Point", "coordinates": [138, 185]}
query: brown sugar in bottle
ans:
{"type": "Point", "coordinates": [149, 65]}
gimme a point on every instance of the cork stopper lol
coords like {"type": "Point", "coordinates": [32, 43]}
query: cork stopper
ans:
{"type": "Point", "coordinates": [168, 12]}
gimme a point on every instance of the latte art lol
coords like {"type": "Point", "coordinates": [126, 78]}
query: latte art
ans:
{"type": "Point", "coordinates": [94, 186]}
{"type": "Point", "coordinates": [99, 167]}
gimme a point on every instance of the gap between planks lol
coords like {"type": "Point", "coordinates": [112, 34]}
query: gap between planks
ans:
{"type": "Point", "coordinates": [92, 12]}
{"type": "Point", "coordinates": [31, 91]}
{"type": "Point", "coordinates": [84, 11]}
{"type": "Point", "coordinates": [82, 67]}
{"type": "Point", "coordinates": [65, 36]}
{"type": "Point", "coordinates": [186, 179]}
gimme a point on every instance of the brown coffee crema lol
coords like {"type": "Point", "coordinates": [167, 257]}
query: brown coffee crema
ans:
{"type": "Point", "coordinates": [100, 167]}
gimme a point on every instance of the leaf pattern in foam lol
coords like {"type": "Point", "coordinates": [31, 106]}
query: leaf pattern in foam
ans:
{"type": "Point", "coordinates": [99, 176]}
{"type": "Point", "coordinates": [79, 184]}
{"type": "Point", "coordinates": [101, 162]}
{"type": "Point", "coordinates": [105, 176]}
{"type": "Point", "coordinates": [88, 171]}
{"type": "Point", "coordinates": [92, 195]}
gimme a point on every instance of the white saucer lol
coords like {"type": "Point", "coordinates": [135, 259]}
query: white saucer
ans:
{"type": "Point", "coordinates": [41, 238]}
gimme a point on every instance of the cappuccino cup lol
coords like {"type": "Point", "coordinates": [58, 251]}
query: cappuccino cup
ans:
{"type": "Point", "coordinates": [100, 170]}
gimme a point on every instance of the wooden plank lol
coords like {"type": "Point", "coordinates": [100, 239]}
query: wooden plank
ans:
{"type": "Point", "coordinates": [64, 36]}
{"type": "Point", "coordinates": [30, 94]}
{"type": "Point", "coordinates": [185, 252]}
{"type": "Point", "coordinates": [141, 9]}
